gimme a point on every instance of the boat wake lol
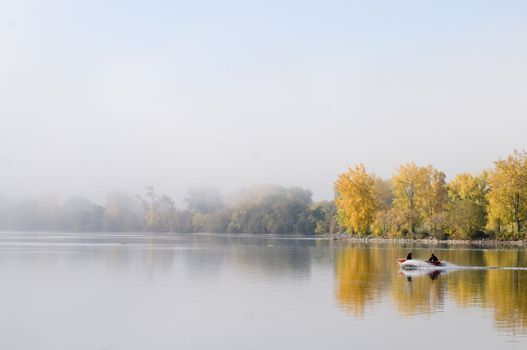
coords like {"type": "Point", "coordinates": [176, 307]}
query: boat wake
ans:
{"type": "Point", "coordinates": [514, 268]}
{"type": "Point", "coordinates": [446, 266]}
{"type": "Point", "coordinates": [419, 268]}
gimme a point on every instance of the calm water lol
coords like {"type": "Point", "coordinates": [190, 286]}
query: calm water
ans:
{"type": "Point", "coordinates": [148, 291]}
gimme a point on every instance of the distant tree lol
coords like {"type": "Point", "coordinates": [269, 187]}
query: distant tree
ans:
{"type": "Point", "coordinates": [216, 222]}
{"type": "Point", "coordinates": [81, 214]}
{"type": "Point", "coordinates": [272, 209]}
{"type": "Point", "coordinates": [183, 221]}
{"type": "Point", "coordinates": [160, 212]}
{"type": "Point", "coordinates": [166, 211]}
{"type": "Point", "coordinates": [123, 212]}
{"type": "Point", "coordinates": [324, 214]}
{"type": "Point", "coordinates": [204, 200]}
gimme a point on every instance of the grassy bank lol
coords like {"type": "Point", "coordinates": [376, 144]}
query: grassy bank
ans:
{"type": "Point", "coordinates": [479, 242]}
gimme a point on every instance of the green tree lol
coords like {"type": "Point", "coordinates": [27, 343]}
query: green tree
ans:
{"type": "Point", "coordinates": [324, 215]}
{"type": "Point", "coordinates": [272, 209]}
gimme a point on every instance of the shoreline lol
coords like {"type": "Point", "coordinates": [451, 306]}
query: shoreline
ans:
{"type": "Point", "coordinates": [432, 241]}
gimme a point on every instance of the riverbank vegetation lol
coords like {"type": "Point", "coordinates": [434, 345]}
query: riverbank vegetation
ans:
{"type": "Point", "coordinates": [262, 209]}
{"type": "Point", "coordinates": [418, 202]}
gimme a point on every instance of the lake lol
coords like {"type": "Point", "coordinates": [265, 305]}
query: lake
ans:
{"type": "Point", "coordinates": [215, 291]}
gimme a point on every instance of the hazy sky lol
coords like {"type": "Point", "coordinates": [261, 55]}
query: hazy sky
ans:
{"type": "Point", "coordinates": [101, 95]}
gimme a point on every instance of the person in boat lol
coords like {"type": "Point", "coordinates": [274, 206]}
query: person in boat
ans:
{"type": "Point", "coordinates": [433, 258]}
{"type": "Point", "coordinates": [409, 256]}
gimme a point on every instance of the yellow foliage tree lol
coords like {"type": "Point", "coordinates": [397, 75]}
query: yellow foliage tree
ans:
{"type": "Point", "coordinates": [418, 200]}
{"type": "Point", "coordinates": [433, 199]}
{"type": "Point", "coordinates": [356, 199]}
{"type": "Point", "coordinates": [467, 186]}
{"type": "Point", "coordinates": [468, 205]}
{"type": "Point", "coordinates": [407, 184]}
{"type": "Point", "coordinates": [421, 194]}
{"type": "Point", "coordinates": [383, 192]}
{"type": "Point", "coordinates": [508, 192]}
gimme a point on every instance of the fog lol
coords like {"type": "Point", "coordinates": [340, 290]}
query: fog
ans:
{"type": "Point", "coordinates": [104, 95]}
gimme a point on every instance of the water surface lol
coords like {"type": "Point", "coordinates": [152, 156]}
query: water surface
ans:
{"type": "Point", "coordinates": [205, 291]}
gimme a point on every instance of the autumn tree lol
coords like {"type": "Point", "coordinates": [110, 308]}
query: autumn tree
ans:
{"type": "Point", "coordinates": [433, 199]}
{"type": "Point", "coordinates": [468, 205]}
{"type": "Point", "coordinates": [508, 192]}
{"type": "Point", "coordinates": [384, 222]}
{"type": "Point", "coordinates": [383, 192]}
{"type": "Point", "coordinates": [421, 196]}
{"type": "Point", "coordinates": [407, 184]}
{"type": "Point", "coordinates": [356, 199]}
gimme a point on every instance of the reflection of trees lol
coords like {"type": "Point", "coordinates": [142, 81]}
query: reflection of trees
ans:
{"type": "Point", "coordinates": [467, 288]}
{"type": "Point", "coordinates": [364, 275]}
{"type": "Point", "coordinates": [360, 281]}
{"type": "Point", "coordinates": [507, 295]}
{"type": "Point", "coordinates": [507, 290]}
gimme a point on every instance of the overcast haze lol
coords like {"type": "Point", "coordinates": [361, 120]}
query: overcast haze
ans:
{"type": "Point", "coordinates": [102, 95]}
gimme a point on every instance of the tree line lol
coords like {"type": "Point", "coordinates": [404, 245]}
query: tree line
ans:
{"type": "Point", "coordinates": [260, 209]}
{"type": "Point", "coordinates": [416, 202]}
{"type": "Point", "coordinates": [419, 202]}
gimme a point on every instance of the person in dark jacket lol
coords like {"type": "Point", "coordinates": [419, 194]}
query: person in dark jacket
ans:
{"type": "Point", "coordinates": [433, 258]}
{"type": "Point", "coordinates": [409, 256]}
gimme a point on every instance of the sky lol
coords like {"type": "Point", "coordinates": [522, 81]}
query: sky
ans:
{"type": "Point", "coordinates": [104, 95]}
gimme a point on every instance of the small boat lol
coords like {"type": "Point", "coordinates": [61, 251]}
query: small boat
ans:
{"type": "Point", "coordinates": [419, 264]}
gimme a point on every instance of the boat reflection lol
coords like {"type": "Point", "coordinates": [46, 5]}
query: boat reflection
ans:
{"type": "Point", "coordinates": [410, 274]}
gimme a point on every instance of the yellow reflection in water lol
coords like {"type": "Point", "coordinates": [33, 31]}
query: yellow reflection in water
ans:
{"type": "Point", "coordinates": [360, 277]}
{"type": "Point", "coordinates": [366, 274]}
{"type": "Point", "coordinates": [507, 290]}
